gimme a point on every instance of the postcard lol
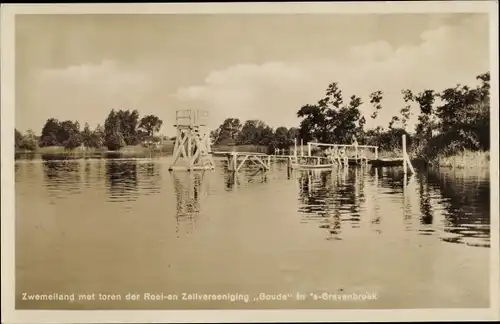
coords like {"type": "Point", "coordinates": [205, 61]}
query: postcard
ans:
{"type": "Point", "coordinates": [222, 162]}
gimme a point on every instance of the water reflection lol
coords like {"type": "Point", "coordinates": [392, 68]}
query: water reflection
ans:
{"type": "Point", "coordinates": [62, 178]}
{"type": "Point", "coordinates": [150, 178]}
{"type": "Point", "coordinates": [25, 156]}
{"type": "Point", "coordinates": [244, 178]}
{"type": "Point", "coordinates": [122, 180]}
{"type": "Point", "coordinates": [436, 204]}
{"type": "Point", "coordinates": [231, 180]}
{"type": "Point", "coordinates": [189, 187]}
{"type": "Point", "coordinates": [466, 202]}
{"type": "Point", "coordinates": [426, 210]}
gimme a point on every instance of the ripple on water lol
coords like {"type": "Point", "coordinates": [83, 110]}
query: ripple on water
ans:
{"type": "Point", "coordinates": [442, 212]}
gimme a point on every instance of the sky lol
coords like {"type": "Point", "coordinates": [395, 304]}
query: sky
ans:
{"type": "Point", "coordinates": [252, 66]}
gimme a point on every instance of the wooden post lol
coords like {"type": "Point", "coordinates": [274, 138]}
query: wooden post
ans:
{"type": "Point", "coordinates": [190, 152]}
{"type": "Point", "coordinates": [376, 153]}
{"type": "Point", "coordinates": [295, 147]}
{"type": "Point", "coordinates": [234, 161]}
{"type": "Point", "coordinates": [308, 149]}
{"type": "Point", "coordinates": [409, 164]}
{"type": "Point", "coordinates": [406, 158]}
{"type": "Point", "coordinates": [404, 154]}
{"type": "Point", "coordinates": [301, 147]}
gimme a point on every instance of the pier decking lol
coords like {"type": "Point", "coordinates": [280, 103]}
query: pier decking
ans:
{"type": "Point", "coordinates": [236, 160]}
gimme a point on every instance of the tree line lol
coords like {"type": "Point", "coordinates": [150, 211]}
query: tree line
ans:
{"type": "Point", "coordinates": [253, 132]}
{"type": "Point", "coordinates": [121, 128]}
{"type": "Point", "coordinates": [454, 119]}
{"type": "Point", "coordinates": [457, 118]}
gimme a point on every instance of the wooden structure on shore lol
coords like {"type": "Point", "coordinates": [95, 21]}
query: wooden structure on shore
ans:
{"type": "Point", "coordinates": [236, 160]}
{"type": "Point", "coordinates": [192, 150]}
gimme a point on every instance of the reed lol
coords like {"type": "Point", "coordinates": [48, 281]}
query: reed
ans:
{"type": "Point", "coordinates": [390, 154]}
{"type": "Point", "coordinates": [465, 159]}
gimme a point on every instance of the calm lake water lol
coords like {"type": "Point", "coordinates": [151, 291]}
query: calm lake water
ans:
{"type": "Point", "coordinates": [130, 226]}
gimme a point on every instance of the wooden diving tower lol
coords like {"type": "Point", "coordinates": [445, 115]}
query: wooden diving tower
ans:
{"type": "Point", "coordinates": [192, 150]}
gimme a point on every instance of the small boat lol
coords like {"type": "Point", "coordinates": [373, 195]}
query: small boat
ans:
{"type": "Point", "coordinates": [388, 162]}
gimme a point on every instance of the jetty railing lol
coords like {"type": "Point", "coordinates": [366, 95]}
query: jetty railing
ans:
{"type": "Point", "coordinates": [191, 118]}
{"type": "Point", "coordinates": [351, 150]}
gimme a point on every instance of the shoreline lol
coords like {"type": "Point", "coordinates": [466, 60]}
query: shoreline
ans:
{"type": "Point", "coordinates": [463, 160]}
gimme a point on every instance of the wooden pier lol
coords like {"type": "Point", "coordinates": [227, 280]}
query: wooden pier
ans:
{"type": "Point", "coordinates": [192, 151]}
{"type": "Point", "coordinates": [404, 160]}
{"type": "Point", "coordinates": [236, 160]}
{"type": "Point", "coordinates": [344, 155]}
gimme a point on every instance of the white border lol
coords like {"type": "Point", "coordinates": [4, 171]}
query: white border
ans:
{"type": "Point", "coordinates": [9, 315]}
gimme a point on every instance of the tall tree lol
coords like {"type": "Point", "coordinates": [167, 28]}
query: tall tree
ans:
{"type": "Point", "coordinates": [27, 141]}
{"type": "Point", "coordinates": [330, 120]}
{"type": "Point", "coordinates": [50, 133]}
{"type": "Point", "coordinates": [255, 132]}
{"type": "Point", "coordinates": [150, 124]}
{"type": "Point", "coordinates": [281, 138]}
{"type": "Point", "coordinates": [426, 122]}
{"type": "Point", "coordinates": [293, 133]}
{"type": "Point", "coordinates": [375, 100]}
{"type": "Point", "coordinates": [97, 137]}
{"type": "Point", "coordinates": [69, 134]}
{"type": "Point", "coordinates": [405, 112]}
{"type": "Point", "coordinates": [18, 139]}
{"type": "Point", "coordinates": [129, 124]}
{"type": "Point", "coordinates": [87, 136]}
{"type": "Point", "coordinates": [464, 115]}
{"type": "Point", "coordinates": [228, 132]}
{"type": "Point", "coordinates": [113, 135]}
{"type": "Point", "coordinates": [65, 133]}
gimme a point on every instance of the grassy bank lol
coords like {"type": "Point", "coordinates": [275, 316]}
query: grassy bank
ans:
{"type": "Point", "coordinates": [62, 150]}
{"type": "Point", "coordinates": [166, 148]}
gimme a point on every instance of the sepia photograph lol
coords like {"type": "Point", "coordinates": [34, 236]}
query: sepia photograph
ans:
{"type": "Point", "coordinates": [252, 158]}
